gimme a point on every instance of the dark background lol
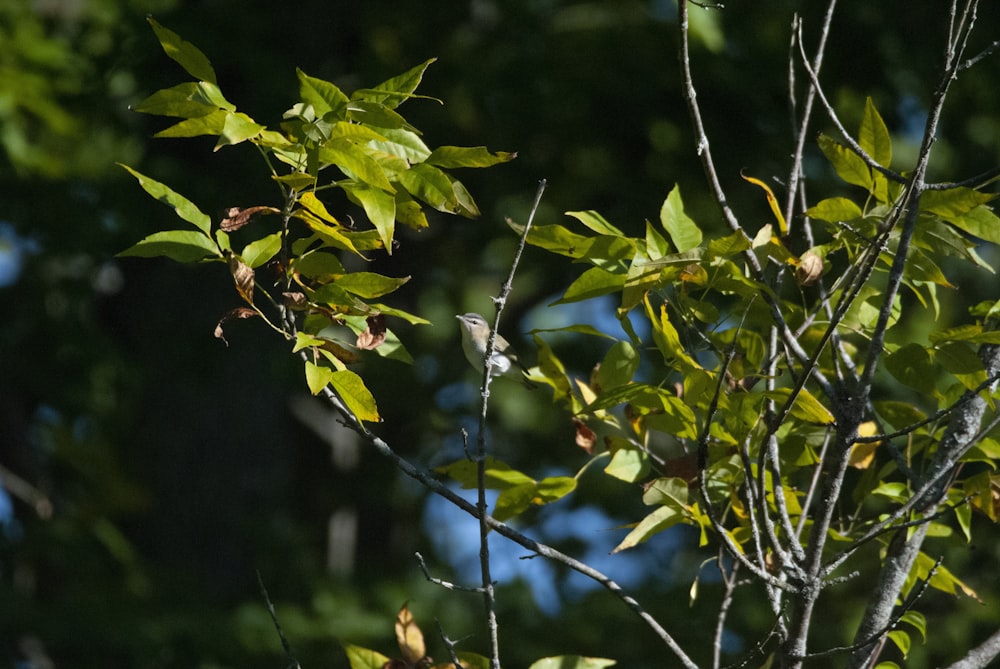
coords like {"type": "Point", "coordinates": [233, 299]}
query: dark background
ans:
{"type": "Point", "coordinates": [164, 468]}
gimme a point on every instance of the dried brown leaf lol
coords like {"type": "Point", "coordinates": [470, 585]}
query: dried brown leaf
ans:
{"type": "Point", "coordinates": [243, 275]}
{"type": "Point", "coordinates": [237, 217]}
{"type": "Point", "coordinates": [238, 312]}
{"type": "Point", "coordinates": [374, 334]}
{"type": "Point", "coordinates": [585, 437]}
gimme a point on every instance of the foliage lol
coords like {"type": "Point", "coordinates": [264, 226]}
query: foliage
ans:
{"type": "Point", "coordinates": [381, 164]}
{"type": "Point", "coordinates": [759, 371]}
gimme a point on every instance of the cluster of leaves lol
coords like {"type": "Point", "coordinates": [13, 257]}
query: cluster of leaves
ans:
{"type": "Point", "coordinates": [357, 145]}
{"type": "Point", "coordinates": [709, 402]}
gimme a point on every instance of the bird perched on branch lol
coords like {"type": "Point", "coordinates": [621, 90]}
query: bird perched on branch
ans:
{"type": "Point", "coordinates": [475, 337]}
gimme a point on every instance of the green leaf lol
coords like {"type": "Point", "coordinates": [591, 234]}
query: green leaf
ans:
{"type": "Point", "coordinates": [611, 252]}
{"type": "Point", "coordinates": [683, 231]}
{"type": "Point", "coordinates": [188, 100]}
{"type": "Point", "coordinates": [873, 136]}
{"type": "Point", "coordinates": [557, 239]}
{"type": "Point", "coordinates": [662, 518]}
{"type": "Point", "coordinates": [364, 658]}
{"type": "Point", "coordinates": [628, 463]}
{"type": "Point", "coordinates": [916, 620]}
{"type": "Point", "coordinates": [667, 491]}
{"type": "Point", "coordinates": [379, 116]}
{"type": "Point", "coordinates": [572, 662]}
{"type": "Point", "coordinates": [324, 97]}
{"type": "Point", "coordinates": [619, 365]}
{"type": "Point", "coordinates": [806, 406]}
{"type": "Point", "coordinates": [355, 163]}
{"type": "Point", "coordinates": [379, 206]}
{"type": "Point", "coordinates": [180, 204]}
{"type": "Point", "coordinates": [974, 334]}
{"type": "Point", "coordinates": [592, 283]}
{"type": "Point", "coordinates": [902, 641]}
{"type": "Point", "coordinates": [400, 142]}
{"type": "Point", "coordinates": [369, 285]}
{"type": "Point", "coordinates": [258, 252]}
{"type": "Point", "coordinates": [848, 165]}
{"type": "Point", "coordinates": [238, 127]}
{"type": "Point", "coordinates": [596, 222]}
{"type": "Point", "coordinates": [429, 184]}
{"type": "Point", "coordinates": [729, 245]}
{"type": "Point", "coordinates": [581, 329]}
{"type": "Point", "coordinates": [668, 341]}
{"type": "Point", "coordinates": [209, 124]}
{"type": "Point", "coordinates": [451, 157]}
{"type": "Point", "coordinates": [186, 54]}
{"type": "Point", "coordinates": [396, 90]}
{"type": "Point", "coordinates": [954, 202]}
{"type": "Point", "coordinates": [499, 475]}
{"type": "Point", "coordinates": [835, 210]}
{"type": "Point", "coordinates": [180, 245]}
{"type": "Point", "coordinates": [355, 395]}
{"type": "Point", "coordinates": [317, 377]}
{"type": "Point", "coordinates": [981, 222]}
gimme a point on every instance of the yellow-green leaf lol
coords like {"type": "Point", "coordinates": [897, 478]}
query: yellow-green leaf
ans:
{"type": "Point", "coordinates": [873, 136]}
{"type": "Point", "coordinates": [683, 231]}
{"type": "Point", "coordinates": [355, 394]}
{"type": "Point", "coordinates": [179, 245]}
{"type": "Point", "coordinates": [183, 207]}
{"type": "Point", "coordinates": [186, 54]}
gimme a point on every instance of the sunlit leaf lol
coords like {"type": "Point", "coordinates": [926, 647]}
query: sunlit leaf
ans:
{"type": "Point", "coordinates": [873, 136]}
{"type": "Point", "coordinates": [806, 406]}
{"type": "Point", "coordinates": [355, 163]}
{"type": "Point", "coordinates": [380, 207]}
{"type": "Point", "coordinates": [450, 157]}
{"type": "Point", "coordinates": [179, 245]}
{"type": "Point", "coordinates": [325, 97]}
{"type": "Point", "coordinates": [355, 395]}
{"type": "Point", "coordinates": [628, 462]}
{"type": "Point", "coordinates": [619, 365]}
{"type": "Point", "coordinates": [369, 284]}
{"type": "Point", "coordinates": [772, 202]}
{"type": "Point", "coordinates": [258, 252]}
{"type": "Point", "coordinates": [572, 662]}
{"type": "Point", "coordinates": [849, 166]}
{"type": "Point", "coordinates": [835, 210]}
{"type": "Point", "coordinates": [683, 231]}
{"type": "Point", "coordinates": [592, 283]}
{"type": "Point", "coordinates": [409, 638]}
{"type": "Point", "coordinates": [396, 90]}
{"type": "Point", "coordinates": [596, 222]}
{"type": "Point", "coordinates": [183, 52]}
{"type": "Point", "coordinates": [662, 518]}
{"type": "Point", "coordinates": [180, 204]}
{"type": "Point", "coordinates": [364, 658]}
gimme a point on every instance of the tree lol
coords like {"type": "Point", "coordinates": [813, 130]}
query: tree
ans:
{"type": "Point", "coordinates": [785, 402]}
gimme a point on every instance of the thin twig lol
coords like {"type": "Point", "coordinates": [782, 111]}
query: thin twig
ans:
{"type": "Point", "coordinates": [274, 620]}
{"type": "Point", "coordinates": [489, 593]}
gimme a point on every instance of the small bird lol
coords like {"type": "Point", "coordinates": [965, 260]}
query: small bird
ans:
{"type": "Point", "coordinates": [475, 337]}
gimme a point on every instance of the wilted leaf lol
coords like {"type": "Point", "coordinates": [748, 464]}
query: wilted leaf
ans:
{"type": "Point", "coordinates": [863, 453]}
{"type": "Point", "coordinates": [409, 637]}
{"type": "Point", "coordinates": [585, 437]}
{"type": "Point", "coordinates": [237, 217]}
{"type": "Point", "coordinates": [771, 201]}
{"type": "Point", "coordinates": [374, 335]}
{"type": "Point", "coordinates": [243, 276]}
{"type": "Point", "coordinates": [238, 312]}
